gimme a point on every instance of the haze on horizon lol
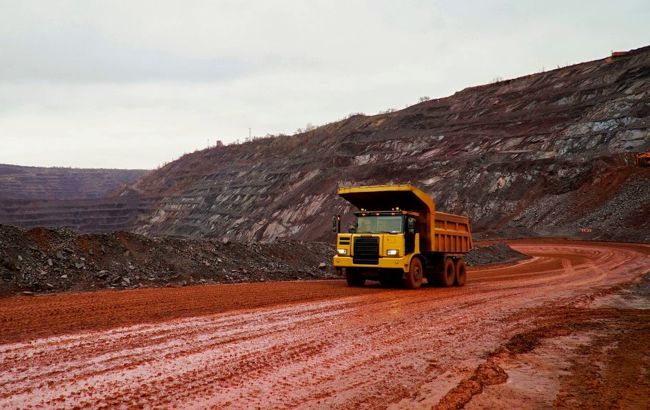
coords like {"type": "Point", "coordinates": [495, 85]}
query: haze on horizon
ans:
{"type": "Point", "coordinates": [133, 84]}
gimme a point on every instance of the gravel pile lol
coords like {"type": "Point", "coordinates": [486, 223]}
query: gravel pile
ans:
{"type": "Point", "coordinates": [43, 260]}
{"type": "Point", "coordinates": [53, 260]}
{"type": "Point", "coordinates": [498, 252]}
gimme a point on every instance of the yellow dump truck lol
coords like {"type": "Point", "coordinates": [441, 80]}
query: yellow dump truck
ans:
{"type": "Point", "coordinates": [399, 238]}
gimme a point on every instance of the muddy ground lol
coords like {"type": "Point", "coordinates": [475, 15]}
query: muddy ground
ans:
{"type": "Point", "coordinates": [591, 354]}
{"type": "Point", "coordinates": [566, 328]}
{"type": "Point", "coordinates": [53, 260]}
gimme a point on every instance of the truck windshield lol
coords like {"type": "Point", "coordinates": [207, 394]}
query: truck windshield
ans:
{"type": "Point", "coordinates": [379, 224]}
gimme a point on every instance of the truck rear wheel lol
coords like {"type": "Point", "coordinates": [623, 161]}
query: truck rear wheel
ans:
{"type": "Point", "coordinates": [461, 273]}
{"type": "Point", "coordinates": [354, 278]}
{"type": "Point", "coordinates": [413, 278]}
{"type": "Point", "coordinates": [448, 274]}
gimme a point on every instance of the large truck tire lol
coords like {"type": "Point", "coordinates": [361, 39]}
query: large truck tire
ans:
{"type": "Point", "coordinates": [461, 273]}
{"type": "Point", "coordinates": [413, 278]}
{"type": "Point", "coordinates": [447, 276]}
{"type": "Point", "coordinates": [354, 278]}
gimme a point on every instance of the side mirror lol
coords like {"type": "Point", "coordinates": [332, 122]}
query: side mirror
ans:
{"type": "Point", "coordinates": [336, 223]}
{"type": "Point", "coordinates": [411, 226]}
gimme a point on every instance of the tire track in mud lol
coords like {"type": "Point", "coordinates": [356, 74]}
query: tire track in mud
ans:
{"type": "Point", "coordinates": [365, 350]}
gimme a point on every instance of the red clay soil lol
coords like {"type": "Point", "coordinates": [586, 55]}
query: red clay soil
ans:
{"type": "Point", "coordinates": [307, 344]}
{"type": "Point", "coordinates": [23, 318]}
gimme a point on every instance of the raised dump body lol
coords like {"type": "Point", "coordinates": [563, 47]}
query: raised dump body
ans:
{"type": "Point", "coordinates": [399, 237]}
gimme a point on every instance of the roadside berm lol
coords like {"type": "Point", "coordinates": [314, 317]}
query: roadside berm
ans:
{"type": "Point", "coordinates": [52, 260]}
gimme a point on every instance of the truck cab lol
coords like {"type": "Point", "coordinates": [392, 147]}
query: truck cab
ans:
{"type": "Point", "coordinates": [391, 234]}
{"type": "Point", "coordinates": [380, 241]}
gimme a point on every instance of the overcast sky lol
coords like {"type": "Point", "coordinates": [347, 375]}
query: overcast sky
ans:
{"type": "Point", "coordinates": [133, 84]}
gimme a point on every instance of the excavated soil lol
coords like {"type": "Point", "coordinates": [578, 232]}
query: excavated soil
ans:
{"type": "Point", "coordinates": [321, 344]}
{"type": "Point", "coordinates": [492, 254]}
{"type": "Point", "coordinates": [43, 260]}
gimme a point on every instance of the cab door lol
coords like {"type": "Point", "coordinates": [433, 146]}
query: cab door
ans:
{"type": "Point", "coordinates": [409, 235]}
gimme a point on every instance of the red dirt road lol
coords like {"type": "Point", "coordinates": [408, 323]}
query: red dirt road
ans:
{"type": "Point", "coordinates": [289, 344]}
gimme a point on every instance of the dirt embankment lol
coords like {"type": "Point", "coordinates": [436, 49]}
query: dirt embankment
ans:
{"type": "Point", "coordinates": [492, 254]}
{"type": "Point", "coordinates": [48, 260]}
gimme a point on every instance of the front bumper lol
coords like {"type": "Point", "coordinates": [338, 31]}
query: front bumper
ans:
{"type": "Point", "coordinates": [384, 263]}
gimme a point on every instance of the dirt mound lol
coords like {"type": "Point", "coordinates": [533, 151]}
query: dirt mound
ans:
{"type": "Point", "coordinates": [491, 254]}
{"type": "Point", "coordinates": [41, 260]}
{"type": "Point", "coordinates": [54, 260]}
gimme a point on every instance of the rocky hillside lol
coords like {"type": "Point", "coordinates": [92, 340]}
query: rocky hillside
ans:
{"type": "Point", "coordinates": [82, 199]}
{"type": "Point", "coordinates": [545, 154]}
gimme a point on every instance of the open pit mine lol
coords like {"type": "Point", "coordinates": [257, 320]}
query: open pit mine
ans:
{"type": "Point", "coordinates": [282, 272]}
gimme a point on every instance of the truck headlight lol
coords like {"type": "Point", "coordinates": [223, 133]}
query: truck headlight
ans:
{"type": "Point", "coordinates": [392, 252]}
{"type": "Point", "coordinates": [342, 251]}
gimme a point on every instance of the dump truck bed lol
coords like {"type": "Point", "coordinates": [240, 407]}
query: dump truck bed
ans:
{"type": "Point", "coordinates": [441, 232]}
{"type": "Point", "coordinates": [451, 233]}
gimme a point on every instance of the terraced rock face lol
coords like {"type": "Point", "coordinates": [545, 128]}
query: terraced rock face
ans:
{"type": "Point", "coordinates": [38, 183]}
{"type": "Point", "coordinates": [83, 199]}
{"type": "Point", "coordinates": [546, 154]}
{"type": "Point", "coordinates": [549, 153]}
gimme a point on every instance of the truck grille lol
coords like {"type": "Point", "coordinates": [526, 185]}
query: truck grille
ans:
{"type": "Point", "coordinates": [366, 250]}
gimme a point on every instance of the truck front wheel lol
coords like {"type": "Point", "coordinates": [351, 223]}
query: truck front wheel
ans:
{"type": "Point", "coordinates": [354, 278]}
{"type": "Point", "coordinates": [413, 278]}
